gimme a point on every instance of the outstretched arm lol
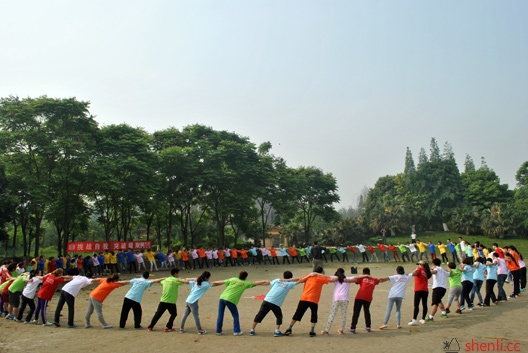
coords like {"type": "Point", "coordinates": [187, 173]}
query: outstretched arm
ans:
{"type": "Point", "coordinates": [260, 283]}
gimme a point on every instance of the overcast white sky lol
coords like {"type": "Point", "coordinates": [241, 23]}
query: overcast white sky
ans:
{"type": "Point", "coordinates": [341, 85]}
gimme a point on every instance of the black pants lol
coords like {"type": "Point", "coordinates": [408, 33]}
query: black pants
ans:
{"type": "Point", "coordinates": [467, 286]}
{"type": "Point", "coordinates": [420, 296]}
{"type": "Point", "coordinates": [406, 255]}
{"type": "Point", "coordinates": [28, 302]}
{"type": "Point", "coordinates": [490, 283]}
{"type": "Point", "coordinates": [345, 256]}
{"type": "Point", "coordinates": [69, 299]}
{"type": "Point", "coordinates": [358, 304]}
{"type": "Point", "coordinates": [265, 309]}
{"type": "Point", "coordinates": [132, 264]}
{"type": "Point", "coordinates": [332, 257]}
{"type": "Point", "coordinates": [445, 258]}
{"type": "Point", "coordinates": [523, 277]}
{"type": "Point", "coordinates": [364, 256]}
{"type": "Point", "coordinates": [161, 309]}
{"type": "Point", "coordinates": [136, 308]}
{"type": "Point", "coordinates": [516, 281]}
{"type": "Point", "coordinates": [284, 259]}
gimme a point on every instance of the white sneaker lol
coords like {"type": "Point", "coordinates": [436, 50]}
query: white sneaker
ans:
{"type": "Point", "coordinates": [238, 333]}
{"type": "Point", "coordinates": [413, 323]}
{"type": "Point", "coordinates": [422, 321]}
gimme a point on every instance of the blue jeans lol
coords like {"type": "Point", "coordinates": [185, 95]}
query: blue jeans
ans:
{"type": "Point", "coordinates": [234, 312]}
{"type": "Point", "coordinates": [477, 284]}
{"type": "Point", "coordinates": [390, 303]}
{"type": "Point", "coordinates": [500, 284]}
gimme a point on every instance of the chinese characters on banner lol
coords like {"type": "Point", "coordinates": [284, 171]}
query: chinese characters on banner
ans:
{"type": "Point", "coordinates": [97, 246]}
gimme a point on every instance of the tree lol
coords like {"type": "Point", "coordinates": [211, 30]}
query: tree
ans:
{"type": "Point", "coordinates": [469, 165]}
{"type": "Point", "coordinates": [314, 195]}
{"type": "Point", "coordinates": [522, 175]}
{"type": "Point", "coordinates": [422, 158]}
{"type": "Point", "coordinates": [434, 151]}
{"type": "Point", "coordinates": [409, 163]}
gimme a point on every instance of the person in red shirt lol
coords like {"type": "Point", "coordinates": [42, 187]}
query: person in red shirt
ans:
{"type": "Point", "coordinates": [394, 251]}
{"type": "Point", "coordinates": [313, 285]}
{"type": "Point", "coordinates": [353, 250]}
{"type": "Point", "coordinates": [421, 291]}
{"type": "Point", "coordinates": [363, 299]}
{"type": "Point", "coordinates": [50, 282]}
{"type": "Point", "coordinates": [52, 265]}
{"type": "Point", "coordinates": [384, 252]}
{"type": "Point", "coordinates": [372, 252]}
{"type": "Point", "coordinates": [274, 257]}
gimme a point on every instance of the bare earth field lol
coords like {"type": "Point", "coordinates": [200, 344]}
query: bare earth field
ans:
{"type": "Point", "coordinates": [496, 328]}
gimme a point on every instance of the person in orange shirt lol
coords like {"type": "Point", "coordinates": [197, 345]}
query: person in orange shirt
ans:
{"type": "Point", "coordinates": [80, 265]}
{"type": "Point", "coordinates": [273, 253]}
{"type": "Point", "coordinates": [245, 258]}
{"type": "Point", "coordinates": [202, 256]}
{"type": "Point", "coordinates": [185, 259]}
{"type": "Point", "coordinates": [512, 261]}
{"type": "Point", "coordinates": [313, 286]}
{"type": "Point", "coordinates": [97, 297]}
{"type": "Point", "coordinates": [234, 257]}
{"type": "Point", "coordinates": [294, 254]}
{"type": "Point", "coordinates": [220, 257]}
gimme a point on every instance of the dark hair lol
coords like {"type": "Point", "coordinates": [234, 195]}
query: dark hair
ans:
{"type": "Point", "coordinates": [318, 269]}
{"type": "Point", "coordinates": [451, 265]}
{"type": "Point", "coordinates": [32, 273]}
{"type": "Point", "coordinates": [466, 261]}
{"type": "Point", "coordinates": [481, 259]}
{"type": "Point", "coordinates": [112, 278]}
{"type": "Point", "coordinates": [287, 275]}
{"type": "Point", "coordinates": [400, 270]}
{"type": "Point", "coordinates": [427, 270]}
{"type": "Point", "coordinates": [146, 274]}
{"type": "Point", "coordinates": [437, 262]}
{"type": "Point", "coordinates": [242, 275]}
{"type": "Point", "coordinates": [366, 271]}
{"type": "Point", "coordinates": [174, 271]}
{"type": "Point", "coordinates": [203, 278]}
{"type": "Point", "coordinates": [340, 273]}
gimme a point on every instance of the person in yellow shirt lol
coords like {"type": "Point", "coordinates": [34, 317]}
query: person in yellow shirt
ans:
{"type": "Point", "coordinates": [107, 259]}
{"type": "Point", "coordinates": [152, 260]}
{"type": "Point", "coordinates": [421, 248]}
{"type": "Point", "coordinates": [443, 251]}
{"type": "Point", "coordinates": [113, 263]}
{"type": "Point", "coordinates": [178, 258]}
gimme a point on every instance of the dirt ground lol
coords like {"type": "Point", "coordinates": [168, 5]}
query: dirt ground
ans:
{"type": "Point", "coordinates": [486, 328]}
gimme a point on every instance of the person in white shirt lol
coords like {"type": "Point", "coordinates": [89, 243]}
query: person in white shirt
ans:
{"type": "Point", "coordinates": [396, 295]}
{"type": "Point", "coordinates": [68, 294]}
{"type": "Point", "coordinates": [439, 289]}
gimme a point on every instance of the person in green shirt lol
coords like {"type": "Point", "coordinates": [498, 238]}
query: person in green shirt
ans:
{"type": "Point", "coordinates": [169, 296]}
{"type": "Point", "coordinates": [455, 287]}
{"type": "Point", "coordinates": [404, 252]}
{"type": "Point", "coordinates": [14, 292]}
{"type": "Point", "coordinates": [230, 298]}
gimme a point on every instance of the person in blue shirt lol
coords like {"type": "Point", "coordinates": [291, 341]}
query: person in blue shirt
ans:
{"type": "Point", "coordinates": [284, 254]}
{"type": "Point", "coordinates": [131, 259]}
{"type": "Point", "coordinates": [467, 283]}
{"type": "Point", "coordinates": [101, 259]}
{"type": "Point", "coordinates": [452, 249]}
{"type": "Point", "coordinates": [198, 288]}
{"type": "Point", "coordinates": [40, 265]}
{"type": "Point", "coordinates": [121, 261]}
{"type": "Point", "coordinates": [254, 255]}
{"type": "Point", "coordinates": [273, 301]}
{"type": "Point", "coordinates": [478, 279]}
{"type": "Point", "coordinates": [133, 298]}
{"type": "Point", "coordinates": [162, 259]}
{"type": "Point", "coordinates": [432, 250]}
{"type": "Point", "coordinates": [59, 262]}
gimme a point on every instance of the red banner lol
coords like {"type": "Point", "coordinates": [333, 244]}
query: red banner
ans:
{"type": "Point", "coordinates": [97, 246]}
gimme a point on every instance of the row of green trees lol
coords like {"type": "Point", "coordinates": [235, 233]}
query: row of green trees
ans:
{"type": "Point", "coordinates": [63, 174]}
{"type": "Point", "coordinates": [434, 194]}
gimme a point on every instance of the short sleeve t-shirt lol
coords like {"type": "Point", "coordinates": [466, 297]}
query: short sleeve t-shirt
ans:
{"type": "Point", "coordinates": [197, 291]}
{"type": "Point", "coordinates": [468, 274]}
{"type": "Point", "coordinates": [49, 285]}
{"type": "Point", "coordinates": [17, 285]}
{"type": "Point", "coordinates": [341, 290]}
{"type": "Point", "coordinates": [439, 278]}
{"type": "Point", "coordinates": [278, 291]}
{"type": "Point", "coordinates": [313, 287]}
{"type": "Point", "coordinates": [366, 288]}
{"type": "Point", "coordinates": [420, 280]}
{"type": "Point", "coordinates": [103, 290]}
{"type": "Point", "coordinates": [454, 278]}
{"type": "Point", "coordinates": [139, 285]}
{"type": "Point", "coordinates": [74, 286]}
{"type": "Point", "coordinates": [234, 290]}
{"type": "Point", "coordinates": [170, 290]}
{"type": "Point", "coordinates": [399, 285]}
{"type": "Point", "coordinates": [31, 288]}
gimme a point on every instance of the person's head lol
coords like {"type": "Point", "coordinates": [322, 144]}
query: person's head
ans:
{"type": "Point", "coordinates": [58, 272]}
{"type": "Point", "coordinates": [175, 271]}
{"type": "Point", "coordinates": [287, 275]}
{"type": "Point", "coordinates": [489, 260]}
{"type": "Point", "coordinates": [242, 275]}
{"type": "Point", "coordinates": [439, 243]}
{"type": "Point", "coordinates": [437, 262]}
{"type": "Point", "coordinates": [204, 277]}
{"type": "Point", "coordinates": [466, 261]}
{"type": "Point", "coordinates": [112, 278]}
{"type": "Point", "coordinates": [32, 273]}
{"type": "Point", "coordinates": [400, 270]}
{"type": "Point", "coordinates": [340, 274]}
{"type": "Point", "coordinates": [451, 265]}
{"type": "Point", "coordinates": [481, 259]}
{"type": "Point", "coordinates": [366, 271]}
{"type": "Point", "coordinates": [496, 255]}
{"type": "Point", "coordinates": [145, 274]}
{"type": "Point", "coordinates": [318, 269]}
{"type": "Point", "coordinates": [11, 267]}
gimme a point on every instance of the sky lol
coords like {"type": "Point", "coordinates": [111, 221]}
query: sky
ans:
{"type": "Point", "coordinates": [345, 86]}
